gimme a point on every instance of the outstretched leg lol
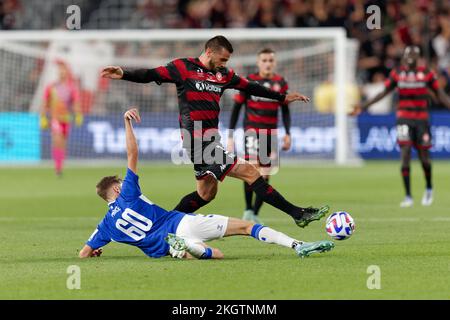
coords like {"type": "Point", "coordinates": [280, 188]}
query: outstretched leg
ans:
{"type": "Point", "coordinates": [203, 227]}
{"type": "Point", "coordinates": [302, 216]}
{"type": "Point", "coordinates": [269, 235]}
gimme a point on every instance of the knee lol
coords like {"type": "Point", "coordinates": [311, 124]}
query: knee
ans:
{"type": "Point", "coordinates": [208, 193]}
{"type": "Point", "coordinates": [250, 174]}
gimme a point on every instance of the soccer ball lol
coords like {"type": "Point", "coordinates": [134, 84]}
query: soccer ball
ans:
{"type": "Point", "coordinates": [340, 225]}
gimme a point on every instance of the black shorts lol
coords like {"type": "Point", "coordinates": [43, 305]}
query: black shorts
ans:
{"type": "Point", "coordinates": [214, 161]}
{"type": "Point", "coordinates": [258, 147]}
{"type": "Point", "coordinates": [414, 132]}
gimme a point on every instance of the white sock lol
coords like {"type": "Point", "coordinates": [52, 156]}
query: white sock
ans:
{"type": "Point", "coordinates": [269, 235]}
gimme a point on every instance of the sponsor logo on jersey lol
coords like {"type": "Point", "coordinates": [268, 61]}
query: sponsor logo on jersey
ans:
{"type": "Point", "coordinates": [276, 87]}
{"type": "Point", "coordinates": [411, 85]}
{"type": "Point", "coordinates": [204, 86]}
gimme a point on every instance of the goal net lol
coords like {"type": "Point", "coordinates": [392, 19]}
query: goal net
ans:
{"type": "Point", "coordinates": [320, 63]}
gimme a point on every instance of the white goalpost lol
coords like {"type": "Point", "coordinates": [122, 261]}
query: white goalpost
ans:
{"type": "Point", "coordinates": [308, 58]}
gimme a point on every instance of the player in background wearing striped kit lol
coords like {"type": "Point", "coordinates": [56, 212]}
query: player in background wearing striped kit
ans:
{"type": "Point", "coordinates": [413, 128]}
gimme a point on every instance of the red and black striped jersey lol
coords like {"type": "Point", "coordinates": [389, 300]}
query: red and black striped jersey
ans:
{"type": "Point", "coordinates": [199, 91]}
{"type": "Point", "coordinates": [262, 113]}
{"type": "Point", "coordinates": [412, 87]}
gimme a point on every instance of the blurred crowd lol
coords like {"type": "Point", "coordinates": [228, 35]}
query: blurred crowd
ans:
{"type": "Point", "coordinates": [425, 23]}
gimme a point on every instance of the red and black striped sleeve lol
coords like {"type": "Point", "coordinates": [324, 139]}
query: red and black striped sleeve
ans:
{"type": "Point", "coordinates": [391, 82]}
{"type": "Point", "coordinates": [163, 74]}
{"type": "Point", "coordinates": [432, 81]}
{"type": "Point", "coordinates": [253, 87]}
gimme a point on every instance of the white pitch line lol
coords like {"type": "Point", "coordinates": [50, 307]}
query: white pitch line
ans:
{"type": "Point", "coordinates": [6, 219]}
{"type": "Point", "coordinates": [404, 219]}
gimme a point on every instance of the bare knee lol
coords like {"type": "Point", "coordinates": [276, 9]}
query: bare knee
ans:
{"type": "Point", "coordinates": [208, 190]}
{"type": "Point", "coordinates": [207, 194]}
{"type": "Point", "coordinates": [246, 172]}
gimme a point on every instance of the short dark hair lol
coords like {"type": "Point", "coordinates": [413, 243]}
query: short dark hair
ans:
{"type": "Point", "coordinates": [266, 50]}
{"type": "Point", "coordinates": [219, 42]}
{"type": "Point", "coordinates": [105, 184]}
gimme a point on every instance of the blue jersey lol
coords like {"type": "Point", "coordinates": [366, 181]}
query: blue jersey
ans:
{"type": "Point", "coordinates": [135, 220]}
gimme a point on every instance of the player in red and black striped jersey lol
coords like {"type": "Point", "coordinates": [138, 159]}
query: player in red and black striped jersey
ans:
{"type": "Point", "coordinates": [200, 84]}
{"type": "Point", "coordinates": [260, 125]}
{"type": "Point", "coordinates": [413, 85]}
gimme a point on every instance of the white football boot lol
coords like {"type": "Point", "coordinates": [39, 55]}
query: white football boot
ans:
{"type": "Point", "coordinates": [427, 198]}
{"type": "Point", "coordinates": [248, 215]}
{"type": "Point", "coordinates": [407, 202]}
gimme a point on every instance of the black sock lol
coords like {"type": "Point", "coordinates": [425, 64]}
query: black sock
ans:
{"type": "Point", "coordinates": [248, 192]}
{"type": "Point", "coordinates": [268, 194]}
{"type": "Point", "coordinates": [406, 180]}
{"type": "Point", "coordinates": [258, 202]}
{"type": "Point", "coordinates": [190, 203]}
{"type": "Point", "coordinates": [427, 171]}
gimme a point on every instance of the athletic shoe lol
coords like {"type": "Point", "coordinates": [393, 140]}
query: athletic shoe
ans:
{"type": "Point", "coordinates": [427, 198]}
{"type": "Point", "coordinates": [307, 248]}
{"type": "Point", "coordinates": [311, 214]}
{"type": "Point", "coordinates": [257, 220]}
{"type": "Point", "coordinates": [175, 242]}
{"type": "Point", "coordinates": [407, 202]}
{"type": "Point", "coordinates": [248, 215]}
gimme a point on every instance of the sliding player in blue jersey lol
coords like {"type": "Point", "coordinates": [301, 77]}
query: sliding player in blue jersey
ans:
{"type": "Point", "coordinates": [133, 219]}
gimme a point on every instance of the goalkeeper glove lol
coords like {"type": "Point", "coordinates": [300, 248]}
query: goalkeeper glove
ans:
{"type": "Point", "coordinates": [44, 122]}
{"type": "Point", "coordinates": [78, 119]}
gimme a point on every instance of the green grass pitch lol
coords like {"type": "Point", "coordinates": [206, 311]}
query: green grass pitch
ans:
{"type": "Point", "coordinates": [45, 221]}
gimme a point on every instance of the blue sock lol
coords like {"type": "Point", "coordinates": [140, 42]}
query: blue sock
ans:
{"type": "Point", "coordinates": [255, 231]}
{"type": "Point", "coordinates": [207, 254]}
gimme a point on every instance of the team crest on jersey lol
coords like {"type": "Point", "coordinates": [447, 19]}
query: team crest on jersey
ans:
{"type": "Point", "coordinates": [276, 87]}
{"type": "Point", "coordinates": [115, 210]}
{"type": "Point", "coordinates": [266, 84]}
{"type": "Point", "coordinates": [420, 75]}
{"type": "Point", "coordinates": [219, 76]}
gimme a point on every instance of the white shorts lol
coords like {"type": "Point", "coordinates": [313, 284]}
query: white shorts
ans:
{"type": "Point", "coordinates": [202, 228]}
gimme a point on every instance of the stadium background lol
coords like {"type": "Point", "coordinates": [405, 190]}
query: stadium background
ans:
{"type": "Point", "coordinates": [423, 23]}
{"type": "Point", "coordinates": [45, 220]}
